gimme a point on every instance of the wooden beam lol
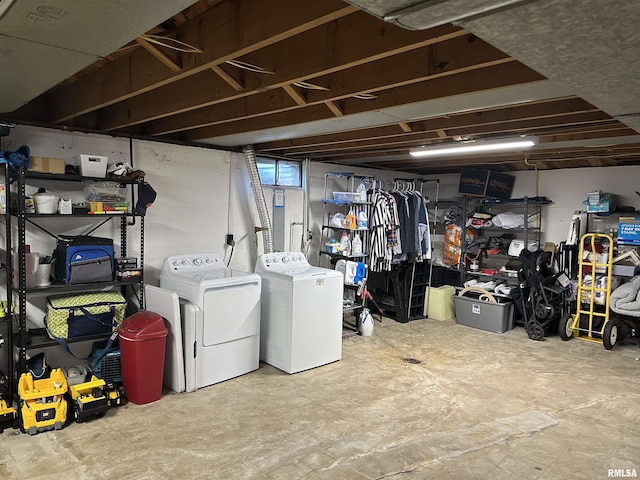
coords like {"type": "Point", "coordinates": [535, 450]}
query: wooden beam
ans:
{"type": "Point", "coordinates": [312, 54]}
{"type": "Point", "coordinates": [405, 127]}
{"type": "Point", "coordinates": [237, 86]}
{"type": "Point", "coordinates": [490, 78]}
{"type": "Point", "coordinates": [334, 109]}
{"type": "Point", "coordinates": [229, 30]}
{"type": "Point", "coordinates": [398, 154]}
{"type": "Point", "coordinates": [173, 66]}
{"type": "Point", "coordinates": [359, 144]}
{"type": "Point", "coordinates": [529, 110]}
{"type": "Point", "coordinates": [397, 71]}
{"type": "Point", "coordinates": [293, 93]}
{"type": "Point", "coordinates": [441, 133]}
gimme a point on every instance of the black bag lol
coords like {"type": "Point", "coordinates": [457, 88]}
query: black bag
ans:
{"type": "Point", "coordinates": [84, 259]}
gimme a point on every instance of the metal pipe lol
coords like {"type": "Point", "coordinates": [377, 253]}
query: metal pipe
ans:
{"type": "Point", "coordinates": [258, 195]}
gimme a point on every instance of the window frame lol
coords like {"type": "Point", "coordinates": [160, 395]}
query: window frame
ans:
{"type": "Point", "coordinates": [277, 163]}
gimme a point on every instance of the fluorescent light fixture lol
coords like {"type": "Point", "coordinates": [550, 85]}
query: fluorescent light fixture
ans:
{"type": "Point", "coordinates": [474, 147]}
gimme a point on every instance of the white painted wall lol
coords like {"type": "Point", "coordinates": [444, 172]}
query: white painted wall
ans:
{"type": "Point", "coordinates": [203, 194]}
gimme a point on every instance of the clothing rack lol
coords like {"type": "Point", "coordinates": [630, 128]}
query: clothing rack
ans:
{"type": "Point", "coordinates": [404, 278]}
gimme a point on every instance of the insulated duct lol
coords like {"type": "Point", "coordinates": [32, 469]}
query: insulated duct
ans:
{"type": "Point", "coordinates": [258, 195]}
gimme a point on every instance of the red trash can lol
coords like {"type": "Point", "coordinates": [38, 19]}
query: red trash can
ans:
{"type": "Point", "coordinates": [143, 339]}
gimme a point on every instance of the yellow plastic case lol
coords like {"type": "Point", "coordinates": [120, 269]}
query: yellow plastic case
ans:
{"type": "Point", "coordinates": [43, 406]}
{"type": "Point", "coordinates": [89, 399]}
{"type": "Point", "coordinates": [8, 416]}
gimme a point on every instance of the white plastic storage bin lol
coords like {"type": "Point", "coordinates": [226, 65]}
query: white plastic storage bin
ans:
{"type": "Point", "coordinates": [92, 165]}
{"type": "Point", "coordinates": [349, 196]}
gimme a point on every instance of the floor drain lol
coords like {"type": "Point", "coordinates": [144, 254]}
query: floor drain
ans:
{"type": "Point", "coordinates": [412, 361]}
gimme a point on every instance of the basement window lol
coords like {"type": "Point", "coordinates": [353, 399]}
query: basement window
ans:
{"type": "Point", "coordinates": [282, 173]}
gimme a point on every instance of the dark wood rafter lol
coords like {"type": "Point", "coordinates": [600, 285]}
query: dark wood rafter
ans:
{"type": "Point", "coordinates": [383, 90]}
{"type": "Point", "coordinates": [244, 26]}
{"type": "Point", "coordinates": [311, 52]}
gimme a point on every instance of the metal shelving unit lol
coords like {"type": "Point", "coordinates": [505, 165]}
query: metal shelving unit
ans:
{"type": "Point", "coordinates": [16, 222]}
{"type": "Point", "coordinates": [528, 206]}
{"type": "Point", "coordinates": [331, 206]}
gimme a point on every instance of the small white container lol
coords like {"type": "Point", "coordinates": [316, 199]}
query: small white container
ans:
{"type": "Point", "coordinates": [65, 207]}
{"type": "Point", "coordinates": [92, 165]}
{"type": "Point", "coordinates": [46, 202]}
{"type": "Point", "coordinates": [366, 323]}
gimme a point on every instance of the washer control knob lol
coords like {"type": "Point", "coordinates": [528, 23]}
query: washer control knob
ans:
{"type": "Point", "coordinates": [285, 259]}
{"type": "Point", "coordinates": [176, 263]}
{"type": "Point", "coordinates": [185, 262]}
{"type": "Point", "coordinates": [197, 261]}
{"type": "Point", "coordinates": [208, 260]}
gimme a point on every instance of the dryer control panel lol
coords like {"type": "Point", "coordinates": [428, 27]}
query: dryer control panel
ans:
{"type": "Point", "coordinates": [189, 264]}
{"type": "Point", "coordinates": [281, 262]}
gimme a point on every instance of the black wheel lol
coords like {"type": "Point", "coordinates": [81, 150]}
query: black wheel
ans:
{"type": "Point", "coordinates": [610, 335]}
{"type": "Point", "coordinates": [553, 309]}
{"type": "Point", "coordinates": [540, 311]}
{"type": "Point", "coordinates": [535, 332]}
{"type": "Point", "coordinates": [564, 327]}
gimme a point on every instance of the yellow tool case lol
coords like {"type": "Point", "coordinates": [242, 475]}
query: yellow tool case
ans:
{"type": "Point", "coordinates": [43, 406]}
{"type": "Point", "coordinates": [8, 416]}
{"type": "Point", "coordinates": [89, 399]}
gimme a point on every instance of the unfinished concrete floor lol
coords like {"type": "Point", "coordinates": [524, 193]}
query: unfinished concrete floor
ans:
{"type": "Point", "coordinates": [479, 405]}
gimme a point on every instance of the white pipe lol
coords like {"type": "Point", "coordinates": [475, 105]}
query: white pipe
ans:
{"type": "Point", "coordinates": [258, 195]}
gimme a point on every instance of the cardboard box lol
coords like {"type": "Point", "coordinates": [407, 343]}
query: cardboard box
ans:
{"type": "Point", "coordinates": [606, 205]}
{"type": "Point", "coordinates": [473, 182]}
{"type": "Point", "coordinates": [46, 165]}
{"type": "Point", "coordinates": [490, 316]}
{"type": "Point", "coordinates": [500, 185]}
{"type": "Point", "coordinates": [624, 269]}
{"type": "Point", "coordinates": [485, 183]}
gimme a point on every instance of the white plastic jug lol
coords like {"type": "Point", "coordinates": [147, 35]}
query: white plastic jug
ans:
{"type": "Point", "coordinates": [345, 244]}
{"type": "Point", "coordinates": [366, 323]}
{"type": "Point", "coordinates": [356, 245]}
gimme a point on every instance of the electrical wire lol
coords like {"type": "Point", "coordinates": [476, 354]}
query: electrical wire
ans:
{"type": "Point", "coordinates": [170, 43]}
{"type": "Point", "coordinates": [231, 254]}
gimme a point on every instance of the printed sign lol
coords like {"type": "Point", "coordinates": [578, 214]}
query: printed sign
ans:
{"type": "Point", "coordinates": [629, 231]}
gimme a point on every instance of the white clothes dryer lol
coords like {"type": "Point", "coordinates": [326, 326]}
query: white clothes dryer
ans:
{"type": "Point", "coordinates": [301, 321]}
{"type": "Point", "coordinates": [221, 327]}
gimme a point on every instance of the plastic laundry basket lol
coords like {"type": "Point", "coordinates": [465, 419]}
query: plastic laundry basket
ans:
{"type": "Point", "coordinates": [143, 339]}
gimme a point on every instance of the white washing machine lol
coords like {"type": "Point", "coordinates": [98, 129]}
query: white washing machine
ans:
{"type": "Point", "coordinates": [301, 321]}
{"type": "Point", "coordinates": [221, 329]}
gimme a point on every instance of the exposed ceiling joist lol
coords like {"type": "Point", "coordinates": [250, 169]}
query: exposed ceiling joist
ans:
{"type": "Point", "coordinates": [334, 83]}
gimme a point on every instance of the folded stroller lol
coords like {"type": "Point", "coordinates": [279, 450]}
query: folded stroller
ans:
{"type": "Point", "coordinates": [540, 297]}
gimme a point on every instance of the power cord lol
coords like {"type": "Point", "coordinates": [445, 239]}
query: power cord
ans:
{"type": "Point", "coordinates": [232, 243]}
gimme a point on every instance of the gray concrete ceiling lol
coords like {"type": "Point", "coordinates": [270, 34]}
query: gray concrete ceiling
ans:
{"type": "Point", "coordinates": [42, 45]}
